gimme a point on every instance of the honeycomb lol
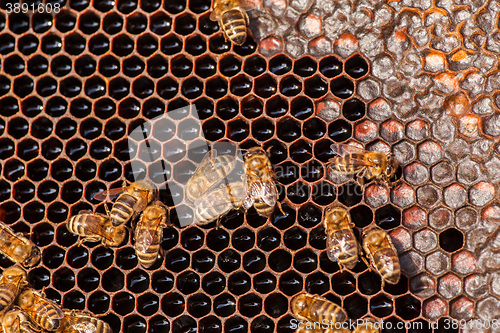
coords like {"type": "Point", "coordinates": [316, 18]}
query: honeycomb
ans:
{"type": "Point", "coordinates": [74, 84]}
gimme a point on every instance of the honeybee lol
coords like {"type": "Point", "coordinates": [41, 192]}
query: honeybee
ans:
{"type": "Point", "coordinates": [94, 227]}
{"type": "Point", "coordinates": [13, 279]}
{"type": "Point", "coordinates": [17, 321]}
{"type": "Point", "coordinates": [369, 326]}
{"type": "Point", "coordinates": [132, 200]}
{"type": "Point", "coordinates": [363, 163]}
{"type": "Point", "coordinates": [382, 254]}
{"type": "Point", "coordinates": [148, 233]}
{"type": "Point", "coordinates": [219, 202]}
{"type": "Point", "coordinates": [232, 18]}
{"type": "Point", "coordinates": [262, 191]}
{"type": "Point", "coordinates": [315, 308]}
{"type": "Point", "coordinates": [81, 322]}
{"type": "Point", "coordinates": [18, 248]}
{"type": "Point", "coordinates": [40, 310]}
{"type": "Point", "coordinates": [209, 173]}
{"type": "Point", "coordinates": [341, 242]}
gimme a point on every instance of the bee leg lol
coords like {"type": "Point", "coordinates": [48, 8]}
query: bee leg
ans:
{"type": "Point", "coordinates": [106, 208]}
{"type": "Point", "coordinates": [280, 208]}
{"type": "Point", "coordinates": [217, 224]}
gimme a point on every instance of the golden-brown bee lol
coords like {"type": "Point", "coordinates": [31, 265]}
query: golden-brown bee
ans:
{"type": "Point", "coordinates": [13, 279]}
{"type": "Point", "coordinates": [133, 199]}
{"type": "Point", "coordinates": [262, 190]}
{"type": "Point", "coordinates": [232, 18]}
{"type": "Point", "coordinates": [17, 321]}
{"type": "Point", "coordinates": [210, 172]}
{"type": "Point", "coordinates": [382, 254]}
{"type": "Point", "coordinates": [342, 245]}
{"type": "Point", "coordinates": [308, 327]}
{"type": "Point", "coordinates": [219, 202]}
{"type": "Point", "coordinates": [40, 310]}
{"type": "Point", "coordinates": [81, 322]}
{"type": "Point", "coordinates": [148, 233]}
{"type": "Point", "coordinates": [18, 248]}
{"type": "Point", "coordinates": [369, 325]}
{"type": "Point", "coordinates": [316, 309]}
{"type": "Point", "coordinates": [364, 164]}
{"type": "Point", "coordinates": [94, 227]}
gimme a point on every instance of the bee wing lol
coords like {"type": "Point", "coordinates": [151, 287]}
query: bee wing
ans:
{"type": "Point", "coordinates": [111, 194]}
{"type": "Point", "coordinates": [248, 202]}
{"type": "Point", "coordinates": [143, 239]}
{"type": "Point", "coordinates": [85, 327]}
{"type": "Point", "coordinates": [343, 149]}
{"type": "Point", "coordinates": [330, 247]}
{"type": "Point", "coordinates": [267, 193]}
{"type": "Point", "coordinates": [247, 4]}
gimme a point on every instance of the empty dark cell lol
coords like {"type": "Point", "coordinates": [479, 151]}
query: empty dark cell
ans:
{"type": "Point", "coordinates": [160, 23]}
{"type": "Point", "coordinates": [262, 129]}
{"type": "Point", "coordinates": [100, 44]}
{"type": "Point", "coordinates": [95, 87]}
{"type": "Point", "coordinates": [167, 88]}
{"type": "Point", "coordinates": [63, 279]}
{"type": "Point", "coordinates": [210, 324]}
{"type": "Point", "coordinates": [122, 45]}
{"type": "Point", "coordinates": [78, 256]}
{"type": "Point", "coordinates": [162, 281]}
{"type": "Point", "coordinates": [343, 283]}
{"type": "Point", "coordinates": [227, 108]}
{"type": "Point", "coordinates": [224, 305]}
{"type": "Point", "coordinates": [85, 170]}
{"type": "Point", "coordinates": [203, 261]}
{"type": "Point", "coordinates": [98, 302]}
{"type": "Point", "coordinates": [158, 323]}
{"type": "Point", "coordinates": [43, 234]}
{"type": "Point", "coordinates": [350, 194]}
{"type": "Point", "coordinates": [237, 130]}
{"type": "Point", "coordinates": [356, 67]}
{"type": "Point", "coordinates": [134, 324]}
{"type": "Point", "coordinates": [126, 6]}
{"type": "Point", "coordinates": [185, 24]}
{"type": "Point", "coordinates": [342, 87]}
{"type": "Point", "coordinates": [239, 283]}
{"type": "Point", "coordinates": [280, 260]}
{"type": "Point", "coordinates": [254, 261]}
{"type": "Point", "coordinates": [90, 128]}
{"type": "Point", "coordinates": [236, 325]}
{"type": "Point", "coordinates": [318, 283]}
{"type": "Point", "coordinates": [229, 261]}
{"type": "Point", "coordinates": [23, 86]}
{"type": "Point", "coordinates": [205, 66]}
{"type": "Point", "coordinates": [177, 260]}
{"type": "Point", "coordinates": [290, 86]}
{"type": "Point", "coordinates": [280, 65]}
{"type": "Point", "coordinates": [217, 239]}
{"type": "Point", "coordinates": [298, 193]}
{"type": "Point", "coordinates": [291, 283]}
{"type": "Point", "coordinates": [39, 277]}
{"type": "Point", "coordinates": [255, 65]}
{"type": "Point", "coordinates": [192, 88]}
{"type": "Point", "coordinates": [276, 305]}
{"type": "Point", "coordinates": [265, 86]}
{"type": "Point", "coordinates": [305, 67]}
{"type": "Point", "coordinates": [195, 45]}
{"type": "Point", "coordinates": [57, 212]}
{"type": "Point", "coordinates": [47, 191]}
{"type": "Point", "coordinates": [181, 66]}
{"type": "Point", "coordinates": [8, 106]}
{"type": "Point", "coordinates": [31, 107]}
{"type": "Point", "coordinates": [314, 128]}
{"type": "Point", "coordinates": [123, 303]}
{"type": "Point", "coordinates": [148, 304]}
{"type": "Point", "coordinates": [19, 23]}
{"type": "Point", "coordinates": [112, 23]}
{"type": "Point", "coordinates": [88, 279]}
{"type": "Point", "coordinates": [64, 237]}
{"type": "Point", "coordinates": [192, 238]}
{"type": "Point", "coordinates": [89, 23]}
{"type": "Point", "coordinates": [315, 87]}
{"type": "Point", "coordinates": [126, 258]}
{"type": "Point", "coordinates": [361, 216]}
{"type": "Point", "coordinates": [288, 130]}
{"type": "Point", "coordinates": [13, 170]}
{"type": "Point", "coordinates": [381, 306]}
{"type": "Point", "coordinates": [324, 193]}
{"type": "Point", "coordinates": [110, 170]}
{"type": "Point", "coordinates": [110, 66]}
{"type": "Point", "coordinates": [147, 44]}
{"type": "Point", "coordinates": [340, 130]}
{"type": "Point", "coordinates": [305, 261]}
{"type": "Point", "coordinates": [75, 149]}
{"type": "Point", "coordinates": [7, 44]}
{"type": "Point", "coordinates": [353, 109]}
{"type": "Point", "coordinates": [14, 65]}
{"type": "Point", "coordinates": [388, 217]}
{"type": "Point", "coordinates": [369, 283]}
{"type": "Point", "coordinates": [213, 283]}
{"type": "Point", "coordinates": [243, 239]}
{"type": "Point", "coordinates": [229, 65]}
{"type": "Point", "coordinates": [65, 22]}
{"type": "Point", "coordinates": [216, 87]}
{"type": "Point", "coordinates": [451, 240]}
{"type": "Point", "coordinates": [199, 305]}
{"type": "Point", "coordinates": [7, 148]}
{"type": "Point", "coordinates": [157, 66]}
{"type": "Point", "coordinates": [70, 87]}
{"type": "Point", "coordinates": [407, 307]}
{"type": "Point", "coordinates": [247, 48]}
{"type": "Point", "coordinates": [301, 151]}
{"type": "Point", "coordinates": [26, 44]}
{"type": "Point", "coordinates": [356, 306]}
{"type": "Point", "coordinates": [53, 256]}
{"type": "Point", "coordinates": [74, 44]}
{"type": "Point", "coordinates": [74, 300]}
{"type": "Point", "coordinates": [33, 212]}
{"type": "Point", "coordinates": [171, 44]}
{"type": "Point", "coordinates": [46, 86]}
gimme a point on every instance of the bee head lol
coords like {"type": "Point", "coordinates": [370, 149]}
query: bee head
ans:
{"type": "Point", "coordinates": [336, 214]}
{"type": "Point", "coordinates": [34, 258]}
{"type": "Point", "coordinates": [392, 167]}
{"type": "Point", "coordinates": [14, 272]}
{"type": "Point", "coordinates": [299, 303]}
{"type": "Point", "coordinates": [11, 319]}
{"type": "Point", "coordinates": [374, 236]}
{"type": "Point", "coordinates": [26, 299]}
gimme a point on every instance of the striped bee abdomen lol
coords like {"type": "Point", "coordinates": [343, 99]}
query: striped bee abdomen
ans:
{"type": "Point", "coordinates": [84, 224]}
{"type": "Point", "coordinates": [234, 25]}
{"type": "Point", "coordinates": [386, 262]}
{"type": "Point", "coordinates": [147, 245]}
{"type": "Point", "coordinates": [123, 209]}
{"type": "Point", "coordinates": [8, 293]}
{"type": "Point", "coordinates": [326, 310]}
{"type": "Point", "coordinates": [47, 315]}
{"type": "Point", "coordinates": [262, 208]}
